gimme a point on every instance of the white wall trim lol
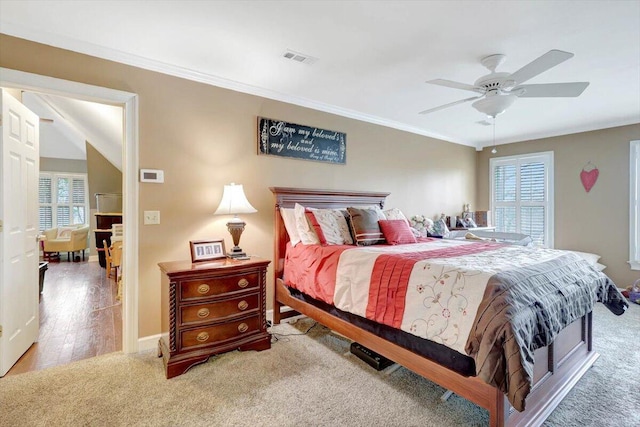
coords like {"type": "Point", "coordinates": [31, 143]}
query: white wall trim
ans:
{"type": "Point", "coordinates": [148, 343]}
{"type": "Point", "coordinates": [634, 205]}
{"type": "Point", "coordinates": [35, 82]}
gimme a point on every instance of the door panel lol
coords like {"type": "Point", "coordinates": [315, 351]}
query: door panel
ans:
{"type": "Point", "coordinates": [19, 295]}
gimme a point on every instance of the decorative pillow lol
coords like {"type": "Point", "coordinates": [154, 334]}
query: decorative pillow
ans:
{"type": "Point", "coordinates": [289, 218]}
{"type": "Point", "coordinates": [313, 222]}
{"type": "Point", "coordinates": [422, 224]}
{"type": "Point", "coordinates": [394, 213]}
{"type": "Point", "coordinates": [364, 223]}
{"type": "Point", "coordinates": [467, 222]}
{"type": "Point", "coordinates": [334, 226]}
{"type": "Point", "coordinates": [65, 232]}
{"type": "Point", "coordinates": [397, 231]}
{"type": "Point", "coordinates": [305, 231]}
{"type": "Point", "coordinates": [440, 228]}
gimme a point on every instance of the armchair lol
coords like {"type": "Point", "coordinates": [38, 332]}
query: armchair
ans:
{"type": "Point", "coordinates": [66, 239]}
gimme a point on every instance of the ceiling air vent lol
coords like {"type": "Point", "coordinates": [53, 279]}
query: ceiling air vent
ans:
{"type": "Point", "coordinates": [299, 57]}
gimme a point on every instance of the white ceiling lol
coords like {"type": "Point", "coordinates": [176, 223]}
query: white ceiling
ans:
{"type": "Point", "coordinates": [67, 123]}
{"type": "Point", "coordinates": [373, 57]}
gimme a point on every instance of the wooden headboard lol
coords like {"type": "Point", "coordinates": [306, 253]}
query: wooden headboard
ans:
{"type": "Point", "coordinates": [286, 197]}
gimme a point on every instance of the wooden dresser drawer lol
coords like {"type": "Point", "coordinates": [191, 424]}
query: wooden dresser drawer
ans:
{"type": "Point", "coordinates": [195, 289]}
{"type": "Point", "coordinates": [194, 314]}
{"type": "Point", "coordinates": [209, 308]}
{"type": "Point", "coordinates": [216, 334]}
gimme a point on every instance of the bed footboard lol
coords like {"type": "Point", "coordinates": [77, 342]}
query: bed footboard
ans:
{"type": "Point", "coordinates": [557, 368]}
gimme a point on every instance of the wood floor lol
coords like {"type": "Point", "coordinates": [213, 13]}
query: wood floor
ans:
{"type": "Point", "coordinates": [80, 317]}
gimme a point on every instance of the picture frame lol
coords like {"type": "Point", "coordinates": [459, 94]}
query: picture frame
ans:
{"type": "Point", "coordinates": [207, 250]}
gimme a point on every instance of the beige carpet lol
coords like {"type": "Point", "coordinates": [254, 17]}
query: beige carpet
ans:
{"type": "Point", "coordinates": [304, 380]}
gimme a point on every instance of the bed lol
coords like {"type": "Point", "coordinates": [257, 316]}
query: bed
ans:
{"type": "Point", "coordinates": [556, 367]}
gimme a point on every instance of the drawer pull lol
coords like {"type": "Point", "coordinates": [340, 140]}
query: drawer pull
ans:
{"type": "Point", "coordinates": [202, 337]}
{"type": "Point", "coordinates": [203, 312]}
{"type": "Point", "coordinates": [203, 289]}
{"type": "Point", "coordinates": [242, 305]}
{"type": "Point", "coordinates": [243, 283]}
{"type": "Point", "coordinates": [242, 327]}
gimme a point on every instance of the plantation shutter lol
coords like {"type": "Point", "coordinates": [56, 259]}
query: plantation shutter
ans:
{"type": "Point", "coordinates": [520, 199]}
{"type": "Point", "coordinates": [45, 198]}
{"type": "Point", "coordinates": [505, 187]}
{"type": "Point", "coordinates": [79, 201]}
{"type": "Point", "coordinates": [63, 199]}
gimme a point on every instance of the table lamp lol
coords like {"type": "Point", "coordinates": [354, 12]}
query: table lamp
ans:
{"type": "Point", "coordinates": [234, 202]}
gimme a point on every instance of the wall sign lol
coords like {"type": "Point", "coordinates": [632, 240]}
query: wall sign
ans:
{"type": "Point", "coordinates": [278, 138]}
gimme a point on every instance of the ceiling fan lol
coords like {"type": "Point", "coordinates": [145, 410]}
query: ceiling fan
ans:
{"type": "Point", "coordinates": [498, 90]}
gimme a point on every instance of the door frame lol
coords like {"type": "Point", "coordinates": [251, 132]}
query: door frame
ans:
{"type": "Point", "coordinates": [129, 101]}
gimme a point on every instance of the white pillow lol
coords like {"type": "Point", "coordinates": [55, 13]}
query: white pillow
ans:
{"type": "Point", "coordinates": [289, 218]}
{"type": "Point", "coordinates": [64, 233]}
{"type": "Point", "coordinates": [306, 233]}
{"type": "Point", "coordinates": [590, 258]}
{"type": "Point", "coordinates": [334, 226]}
{"type": "Point", "coordinates": [394, 213]}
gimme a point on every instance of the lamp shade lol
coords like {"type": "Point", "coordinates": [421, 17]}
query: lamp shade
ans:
{"type": "Point", "coordinates": [234, 201]}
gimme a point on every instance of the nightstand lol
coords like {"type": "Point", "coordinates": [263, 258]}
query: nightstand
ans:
{"type": "Point", "coordinates": [210, 308]}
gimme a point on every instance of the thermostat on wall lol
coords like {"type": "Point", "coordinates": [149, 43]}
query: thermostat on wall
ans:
{"type": "Point", "coordinates": [152, 175]}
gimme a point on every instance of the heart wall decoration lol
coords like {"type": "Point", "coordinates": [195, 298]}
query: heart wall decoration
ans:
{"type": "Point", "coordinates": [589, 176]}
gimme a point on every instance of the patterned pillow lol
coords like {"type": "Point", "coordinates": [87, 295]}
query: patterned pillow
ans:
{"type": "Point", "coordinates": [440, 228]}
{"type": "Point", "coordinates": [334, 226]}
{"type": "Point", "coordinates": [289, 219]}
{"type": "Point", "coordinates": [364, 224]}
{"type": "Point", "coordinates": [305, 231]}
{"type": "Point", "coordinates": [397, 231]}
{"type": "Point", "coordinates": [394, 213]}
{"type": "Point", "coordinates": [313, 222]}
{"type": "Point", "coordinates": [64, 233]}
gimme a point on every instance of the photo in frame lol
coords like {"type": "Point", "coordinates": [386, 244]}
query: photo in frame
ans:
{"type": "Point", "coordinates": [206, 250]}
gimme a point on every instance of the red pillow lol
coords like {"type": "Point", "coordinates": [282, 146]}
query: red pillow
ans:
{"type": "Point", "coordinates": [316, 226]}
{"type": "Point", "coordinates": [396, 231]}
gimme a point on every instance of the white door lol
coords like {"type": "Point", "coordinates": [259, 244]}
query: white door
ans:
{"type": "Point", "coordinates": [19, 229]}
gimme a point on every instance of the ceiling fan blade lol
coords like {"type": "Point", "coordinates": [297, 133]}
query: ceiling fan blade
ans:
{"type": "Point", "coordinates": [456, 85]}
{"type": "Point", "coordinates": [551, 90]}
{"type": "Point", "coordinates": [540, 65]}
{"type": "Point", "coordinates": [451, 104]}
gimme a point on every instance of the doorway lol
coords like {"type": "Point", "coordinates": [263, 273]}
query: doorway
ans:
{"type": "Point", "coordinates": [129, 102]}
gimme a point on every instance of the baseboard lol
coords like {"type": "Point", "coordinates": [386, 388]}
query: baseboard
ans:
{"type": "Point", "coordinates": [93, 258]}
{"type": "Point", "coordinates": [148, 343]}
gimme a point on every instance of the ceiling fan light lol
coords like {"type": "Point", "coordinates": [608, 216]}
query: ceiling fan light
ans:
{"type": "Point", "coordinates": [494, 105]}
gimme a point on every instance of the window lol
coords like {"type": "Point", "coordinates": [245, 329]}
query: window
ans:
{"type": "Point", "coordinates": [63, 199]}
{"type": "Point", "coordinates": [522, 195]}
{"type": "Point", "coordinates": [634, 206]}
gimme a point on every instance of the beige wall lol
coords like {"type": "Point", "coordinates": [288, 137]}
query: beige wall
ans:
{"type": "Point", "coordinates": [204, 137]}
{"type": "Point", "coordinates": [597, 221]}
{"type": "Point", "coordinates": [103, 177]}
{"type": "Point", "coordinates": [49, 164]}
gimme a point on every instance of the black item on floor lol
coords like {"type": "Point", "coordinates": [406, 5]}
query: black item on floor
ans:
{"type": "Point", "coordinates": [373, 359]}
{"type": "Point", "coordinates": [43, 268]}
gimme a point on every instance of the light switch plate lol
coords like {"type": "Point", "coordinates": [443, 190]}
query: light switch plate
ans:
{"type": "Point", "coordinates": [151, 217]}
